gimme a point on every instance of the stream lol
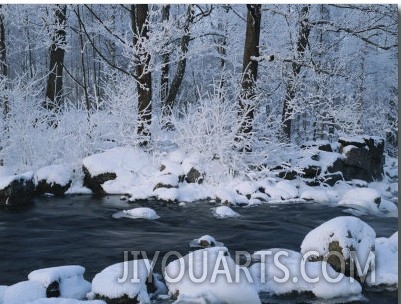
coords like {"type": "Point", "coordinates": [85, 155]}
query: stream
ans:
{"type": "Point", "coordinates": [80, 230]}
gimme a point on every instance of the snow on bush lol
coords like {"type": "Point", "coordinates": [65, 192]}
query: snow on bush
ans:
{"type": "Point", "coordinates": [110, 282]}
{"type": "Point", "coordinates": [209, 275]}
{"type": "Point", "coordinates": [223, 212]}
{"type": "Point", "coordinates": [137, 213]}
{"type": "Point", "coordinates": [351, 234]}
{"type": "Point", "coordinates": [70, 279]}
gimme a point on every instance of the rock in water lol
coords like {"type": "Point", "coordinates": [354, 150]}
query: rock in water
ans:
{"type": "Point", "coordinates": [54, 179]}
{"type": "Point", "coordinates": [95, 182]}
{"type": "Point", "coordinates": [337, 239]}
{"type": "Point", "coordinates": [16, 190]}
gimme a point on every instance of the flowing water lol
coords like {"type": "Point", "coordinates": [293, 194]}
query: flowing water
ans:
{"type": "Point", "coordinates": [80, 230]}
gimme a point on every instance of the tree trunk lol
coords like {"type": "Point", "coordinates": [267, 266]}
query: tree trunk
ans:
{"type": "Point", "coordinates": [250, 72]}
{"type": "Point", "coordinates": [302, 43]}
{"type": "Point", "coordinates": [55, 79]}
{"type": "Point", "coordinates": [179, 74]}
{"type": "Point", "coordinates": [139, 16]}
{"type": "Point", "coordinates": [165, 70]}
{"type": "Point", "coordinates": [3, 60]}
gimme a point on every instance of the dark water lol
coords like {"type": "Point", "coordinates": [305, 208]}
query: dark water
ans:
{"type": "Point", "coordinates": [80, 230]}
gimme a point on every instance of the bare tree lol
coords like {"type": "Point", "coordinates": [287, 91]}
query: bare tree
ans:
{"type": "Point", "coordinates": [302, 42]}
{"type": "Point", "coordinates": [139, 23]}
{"type": "Point", "coordinates": [3, 61]}
{"type": "Point", "coordinates": [57, 51]}
{"type": "Point", "coordinates": [249, 70]}
{"type": "Point", "coordinates": [165, 69]}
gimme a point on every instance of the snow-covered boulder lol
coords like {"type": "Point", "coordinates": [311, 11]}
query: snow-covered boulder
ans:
{"type": "Point", "coordinates": [117, 170]}
{"type": "Point", "coordinates": [301, 276]}
{"type": "Point", "coordinates": [63, 281]}
{"type": "Point", "coordinates": [24, 292]}
{"type": "Point", "coordinates": [16, 190]}
{"type": "Point", "coordinates": [209, 275]}
{"type": "Point", "coordinates": [337, 239]}
{"type": "Point", "coordinates": [137, 213]}
{"type": "Point", "coordinates": [54, 179]}
{"type": "Point", "coordinates": [362, 157]}
{"type": "Point", "coordinates": [386, 265]}
{"type": "Point", "coordinates": [205, 241]}
{"type": "Point", "coordinates": [166, 181]}
{"type": "Point", "coordinates": [194, 176]}
{"type": "Point", "coordinates": [223, 212]}
{"type": "Point", "coordinates": [366, 198]}
{"type": "Point", "coordinates": [124, 282]}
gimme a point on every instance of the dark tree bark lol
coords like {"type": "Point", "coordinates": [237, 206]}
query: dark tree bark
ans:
{"type": "Point", "coordinates": [139, 17]}
{"type": "Point", "coordinates": [165, 70]}
{"type": "Point", "coordinates": [303, 36]}
{"type": "Point", "coordinates": [3, 61]}
{"type": "Point", "coordinates": [182, 63]}
{"type": "Point", "coordinates": [55, 79]}
{"type": "Point", "coordinates": [249, 70]}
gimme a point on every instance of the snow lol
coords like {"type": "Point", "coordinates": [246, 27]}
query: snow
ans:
{"type": "Point", "coordinates": [6, 180]}
{"type": "Point", "coordinates": [136, 213]}
{"type": "Point", "coordinates": [64, 301]}
{"type": "Point", "coordinates": [205, 241]}
{"type": "Point", "coordinates": [167, 179]}
{"type": "Point", "coordinates": [288, 187]}
{"type": "Point", "coordinates": [386, 265]}
{"type": "Point", "coordinates": [106, 283]}
{"type": "Point", "coordinates": [223, 212]}
{"type": "Point", "coordinates": [354, 139]}
{"type": "Point", "coordinates": [367, 198]}
{"type": "Point", "coordinates": [350, 232]}
{"type": "Point", "coordinates": [196, 280]}
{"type": "Point", "coordinates": [23, 292]}
{"type": "Point", "coordinates": [132, 167]}
{"type": "Point", "coordinates": [71, 281]}
{"type": "Point", "coordinates": [318, 195]}
{"type": "Point", "coordinates": [3, 289]}
{"type": "Point", "coordinates": [166, 194]}
{"type": "Point", "coordinates": [59, 174]}
{"type": "Point", "coordinates": [229, 195]}
{"type": "Point", "coordinates": [264, 274]}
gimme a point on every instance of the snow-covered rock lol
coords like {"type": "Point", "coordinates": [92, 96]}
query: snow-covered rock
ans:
{"type": "Point", "coordinates": [366, 198]}
{"type": "Point", "coordinates": [166, 181]}
{"type": "Point", "coordinates": [344, 234]}
{"type": "Point", "coordinates": [205, 241]}
{"type": "Point", "coordinates": [65, 301]}
{"type": "Point", "coordinates": [126, 279]}
{"type": "Point", "coordinates": [116, 170]}
{"type": "Point", "coordinates": [209, 275]}
{"type": "Point", "coordinates": [63, 281]}
{"type": "Point", "coordinates": [223, 212]}
{"type": "Point", "coordinates": [300, 276]}
{"type": "Point", "coordinates": [136, 213]}
{"type": "Point", "coordinates": [386, 265]}
{"type": "Point", "coordinates": [54, 179]}
{"type": "Point", "coordinates": [16, 189]}
{"type": "Point", "coordinates": [24, 292]}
